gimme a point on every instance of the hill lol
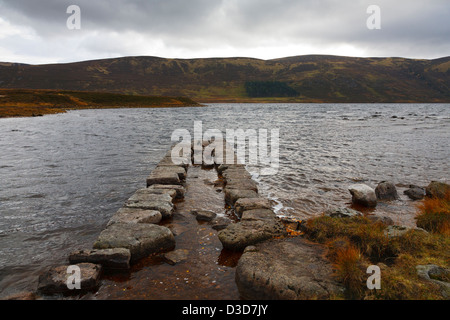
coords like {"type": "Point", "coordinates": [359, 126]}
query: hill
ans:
{"type": "Point", "coordinates": [313, 78]}
{"type": "Point", "coordinates": [27, 102]}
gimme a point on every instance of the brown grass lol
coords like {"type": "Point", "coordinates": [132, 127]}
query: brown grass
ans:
{"type": "Point", "coordinates": [434, 215]}
{"type": "Point", "coordinates": [354, 243]}
{"type": "Point", "coordinates": [348, 264]}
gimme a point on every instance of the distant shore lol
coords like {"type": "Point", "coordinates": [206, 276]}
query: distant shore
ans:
{"type": "Point", "coordinates": [33, 103]}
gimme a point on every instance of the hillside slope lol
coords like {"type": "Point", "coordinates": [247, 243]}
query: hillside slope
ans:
{"type": "Point", "coordinates": [315, 78]}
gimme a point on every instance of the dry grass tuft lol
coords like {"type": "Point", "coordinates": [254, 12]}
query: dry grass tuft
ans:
{"type": "Point", "coordinates": [434, 215]}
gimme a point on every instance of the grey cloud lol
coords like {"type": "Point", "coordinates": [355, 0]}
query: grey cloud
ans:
{"type": "Point", "coordinates": [409, 28]}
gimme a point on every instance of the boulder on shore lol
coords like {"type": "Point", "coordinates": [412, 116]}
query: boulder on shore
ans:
{"type": "Point", "coordinates": [415, 193]}
{"type": "Point", "coordinates": [54, 281]}
{"type": "Point", "coordinates": [363, 195]}
{"type": "Point", "coordinates": [437, 189]}
{"type": "Point", "coordinates": [437, 275]}
{"type": "Point", "coordinates": [287, 269]}
{"type": "Point", "coordinates": [386, 191]}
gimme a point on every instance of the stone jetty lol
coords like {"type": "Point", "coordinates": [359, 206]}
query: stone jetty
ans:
{"type": "Point", "coordinates": [144, 227]}
{"type": "Point", "coordinates": [131, 234]}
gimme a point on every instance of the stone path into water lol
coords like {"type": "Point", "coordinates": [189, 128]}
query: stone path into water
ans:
{"type": "Point", "coordinates": [184, 236]}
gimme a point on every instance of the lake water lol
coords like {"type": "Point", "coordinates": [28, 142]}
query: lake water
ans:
{"type": "Point", "coordinates": [63, 176]}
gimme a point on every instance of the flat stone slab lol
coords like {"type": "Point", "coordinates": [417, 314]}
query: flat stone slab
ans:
{"type": "Point", "coordinates": [240, 173]}
{"type": "Point", "coordinates": [143, 195]}
{"type": "Point", "coordinates": [163, 177]}
{"type": "Point", "coordinates": [243, 184]}
{"type": "Point", "coordinates": [54, 281]}
{"type": "Point", "coordinates": [287, 269]}
{"type": "Point", "coordinates": [133, 215]}
{"type": "Point", "coordinates": [245, 204]}
{"type": "Point", "coordinates": [114, 259]}
{"type": "Point", "coordinates": [178, 188]}
{"type": "Point", "coordinates": [258, 214]}
{"type": "Point", "coordinates": [222, 167]}
{"type": "Point", "coordinates": [141, 239]}
{"type": "Point", "coordinates": [232, 195]}
{"type": "Point", "coordinates": [168, 161]}
{"type": "Point", "coordinates": [180, 171]}
{"type": "Point", "coordinates": [237, 236]}
{"type": "Point", "coordinates": [176, 256]}
{"type": "Point", "coordinates": [164, 207]}
{"type": "Point", "coordinates": [171, 192]}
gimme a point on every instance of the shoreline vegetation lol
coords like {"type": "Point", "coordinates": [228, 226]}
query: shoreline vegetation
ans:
{"type": "Point", "coordinates": [32, 103]}
{"type": "Point", "coordinates": [414, 262]}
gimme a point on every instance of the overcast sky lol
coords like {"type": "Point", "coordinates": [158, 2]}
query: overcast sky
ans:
{"type": "Point", "coordinates": [36, 31]}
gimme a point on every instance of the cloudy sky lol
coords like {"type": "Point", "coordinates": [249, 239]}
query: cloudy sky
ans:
{"type": "Point", "coordinates": [36, 31]}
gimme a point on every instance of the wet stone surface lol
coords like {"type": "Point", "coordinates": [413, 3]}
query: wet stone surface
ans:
{"type": "Point", "coordinates": [201, 268]}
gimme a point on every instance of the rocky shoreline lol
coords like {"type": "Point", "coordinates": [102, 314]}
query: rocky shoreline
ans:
{"type": "Point", "coordinates": [282, 258]}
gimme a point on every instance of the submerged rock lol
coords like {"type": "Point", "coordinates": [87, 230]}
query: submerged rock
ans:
{"type": "Point", "coordinates": [386, 191]}
{"type": "Point", "coordinates": [204, 215]}
{"type": "Point", "coordinates": [220, 223]}
{"type": "Point", "coordinates": [176, 256]}
{"type": "Point", "coordinates": [287, 269]}
{"type": "Point", "coordinates": [54, 281]}
{"type": "Point", "coordinates": [363, 195]}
